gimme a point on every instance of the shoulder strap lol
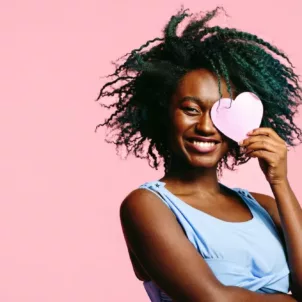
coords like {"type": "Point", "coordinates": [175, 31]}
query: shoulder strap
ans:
{"type": "Point", "coordinates": [155, 188]}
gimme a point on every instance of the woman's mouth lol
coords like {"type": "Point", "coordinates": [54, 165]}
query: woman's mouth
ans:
{"type": "Point", "coordinates": [202, 147]}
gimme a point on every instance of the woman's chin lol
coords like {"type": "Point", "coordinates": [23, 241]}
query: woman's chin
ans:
{"type": "Point", "coordinates": [203, 163]}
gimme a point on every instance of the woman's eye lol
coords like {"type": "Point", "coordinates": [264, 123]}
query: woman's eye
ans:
{"type": "Point", "coordinates": [191, 109]}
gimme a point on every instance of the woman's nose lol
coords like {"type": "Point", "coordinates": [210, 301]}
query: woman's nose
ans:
{"type": "Point", "coordinates": [205, 124]}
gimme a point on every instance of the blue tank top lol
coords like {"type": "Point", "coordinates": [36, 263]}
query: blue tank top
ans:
{"type": "Point", "coordinates": [246, 254]}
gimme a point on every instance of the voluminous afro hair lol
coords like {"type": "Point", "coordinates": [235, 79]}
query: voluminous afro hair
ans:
{"type": "Point", "coordinates": [143, 84]}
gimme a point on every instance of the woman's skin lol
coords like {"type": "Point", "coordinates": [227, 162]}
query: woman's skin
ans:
{"type": "Point", "coordinates": [158, 247]}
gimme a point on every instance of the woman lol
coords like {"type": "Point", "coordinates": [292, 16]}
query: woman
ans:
{"type": "Point", "coordinates": [191, 238]}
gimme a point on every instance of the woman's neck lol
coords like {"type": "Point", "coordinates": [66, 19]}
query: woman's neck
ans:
{"type": "Point", "coordinates": [193, 179]}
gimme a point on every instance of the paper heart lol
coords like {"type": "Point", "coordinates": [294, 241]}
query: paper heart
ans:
{"type": "Point", "coordinates": [235, 118]}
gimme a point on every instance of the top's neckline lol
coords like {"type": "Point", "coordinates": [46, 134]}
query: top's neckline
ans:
{"type": "Point", "coordinates": [248, 222]}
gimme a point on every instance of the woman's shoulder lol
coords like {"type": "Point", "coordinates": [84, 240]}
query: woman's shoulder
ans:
{"type": "Point", "coordinates": [266, 201]}
{"type": "Point", "coordinates": [141, 202]}
{"type": "Point", "coordinates": [135, 197]}
{"type": "Point", "coordinates": [139, 191]}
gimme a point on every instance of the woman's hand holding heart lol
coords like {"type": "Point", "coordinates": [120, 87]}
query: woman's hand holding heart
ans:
{"type": "Point", "coordinates": [246, 112]}
{"type": "Point", "coordinates": [271, 151]}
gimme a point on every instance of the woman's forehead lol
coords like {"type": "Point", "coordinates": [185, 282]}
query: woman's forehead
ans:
{"type": "Point", "coordinates": [201, 84]}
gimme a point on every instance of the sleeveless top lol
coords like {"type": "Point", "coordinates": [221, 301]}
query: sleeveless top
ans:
{"type": "Point", "coordinates": [246, 254]}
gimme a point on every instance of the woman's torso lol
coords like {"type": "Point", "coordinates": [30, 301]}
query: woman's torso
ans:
{"type": "Point", "coordinates": [248, 219]}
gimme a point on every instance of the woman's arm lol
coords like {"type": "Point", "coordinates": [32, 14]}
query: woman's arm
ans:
{"type": "Point", "coordinates": [290, 213]}
{"type": "Point", "coordinates": [243, 295]}
{"type": "Point", "coordinates": [160, 245]}
{"type": "Point", "coordinates": [271, 151]}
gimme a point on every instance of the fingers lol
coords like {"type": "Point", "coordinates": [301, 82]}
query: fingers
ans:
{"type": "Point", "coordinates": [263, 139]}
{"type": "Point", "coordinates": [269, 157]}
{"type": "Point", "coordinates": [260, 139]}
{"type": "Point", "coordinates": [263, 144]}
{"type": "Point", "coordinates": [267, 132]}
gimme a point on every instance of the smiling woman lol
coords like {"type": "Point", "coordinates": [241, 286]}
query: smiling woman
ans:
{"type": "Point", "coordinates": [191, 130]}
{"type": "Point", "coordinates": [191, 238]}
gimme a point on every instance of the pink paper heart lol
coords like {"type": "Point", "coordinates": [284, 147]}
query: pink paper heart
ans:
{"type": "Point", "coordinates": [236, 118]}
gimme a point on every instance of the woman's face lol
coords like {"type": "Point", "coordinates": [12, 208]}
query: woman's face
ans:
{"type": "Point", "coordinates": [192, 135]}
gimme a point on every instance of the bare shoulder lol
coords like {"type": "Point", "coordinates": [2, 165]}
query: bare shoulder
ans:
{"type": "Point", "coordinates": [270, 205]}
{"type": "Point", "coordinates": [267, 202]}
{"type": "Point", "coordinates": [140, 205]}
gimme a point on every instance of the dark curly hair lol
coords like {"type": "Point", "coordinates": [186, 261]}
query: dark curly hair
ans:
{"type": "Point", "coordinates": [144, 83]}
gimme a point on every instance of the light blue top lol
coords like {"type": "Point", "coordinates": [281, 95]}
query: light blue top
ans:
{"type": "Point", "coordinates": [245, 254]}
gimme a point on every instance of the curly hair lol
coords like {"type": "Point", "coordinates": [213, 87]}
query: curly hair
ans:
{"type": "Point", "coordinates": [144, 84]}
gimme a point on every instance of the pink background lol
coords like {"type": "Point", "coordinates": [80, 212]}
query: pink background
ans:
{"type": "Point", "coordinates": [61, 184]}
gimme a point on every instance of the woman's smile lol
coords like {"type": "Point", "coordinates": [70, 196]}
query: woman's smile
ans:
{"type": "Point", "coordinates": [202, 144]}
{"type": "Point", "coordinates": [201, 147]}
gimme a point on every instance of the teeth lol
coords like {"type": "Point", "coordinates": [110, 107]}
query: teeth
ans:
{"type": "Point", "coordinates": [204, 144]}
